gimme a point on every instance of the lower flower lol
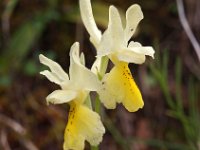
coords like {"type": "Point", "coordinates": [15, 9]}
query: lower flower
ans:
{"type": "Point", "coordinates": [118, 86]}
{"type": "Point", "coordinates": [83, 124]}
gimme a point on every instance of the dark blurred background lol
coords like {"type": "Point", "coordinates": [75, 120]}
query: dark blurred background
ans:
{"type": "Point", "coordinates": [170, 119]}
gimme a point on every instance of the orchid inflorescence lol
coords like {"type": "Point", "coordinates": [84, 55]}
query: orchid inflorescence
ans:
{"type": "Point", "coordinates": [84, 123]}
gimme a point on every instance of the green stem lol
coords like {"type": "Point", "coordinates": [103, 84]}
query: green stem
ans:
{"type": "Point", "coordinates": [102, 71]}
{"type": "Point", "coordinates": [88, 102]}
{"type": "Point", "coordinates": [97, 105]}
{"type": "Point", "coordinates": [103, 67]}
{"type": "Point", "coordinates": [94, 148]}
{"type": "Point", "coordinates": [97, 109]}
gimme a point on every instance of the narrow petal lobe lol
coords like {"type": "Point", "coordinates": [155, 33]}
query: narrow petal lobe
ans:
{"type": "Point", "coordinates": [61, 96]}
{"type": "Point", "coordinates": [50, 76]}
{"type": "Point", "coordinates": [89, 22]}
{"type": "Point", "coordinates": [138, 48]}
{"type": "Point", "coordinates": [133, 16]}
{"type": "Point", "coordinates": [55, 68]}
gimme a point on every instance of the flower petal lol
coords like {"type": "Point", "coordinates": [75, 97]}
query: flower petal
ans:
{"type": "Point", "coordinates": [55, 68]}
{"type": "Point", "coordinates": [82, 59]}
{"type": "Point", "coordinates": [83, 124]}
{"type": "Point", "coordinates": [49, 75]}
{"type": "Point", "coordinates": [81, 77]}
{"type": "Point", "coordinates": [119, 87]}
{"type": "Point", "coordinates": [115, 28]}
{"type": "Point", "coordinates": [135, 53]}
{"type": "Point", "coordinates": [138, 48]}
{"type": "Point", "coordinates": [89, 22]}
{"type": "Point", "coordinates": [133, 16]}
{"type": "Point", "coordinates": [61, 96]}
{"type": "Point", "coordinates": [113, 38]}
{"type": "Point", "coordinates": [131, 57]}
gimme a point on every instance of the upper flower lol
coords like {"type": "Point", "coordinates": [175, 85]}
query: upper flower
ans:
{"type": "Point", "coordinates": [114, 41]}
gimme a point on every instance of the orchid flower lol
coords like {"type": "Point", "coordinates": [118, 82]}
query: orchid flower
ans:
{"type": "Point", "coordinates": [118, 86]}
{"type": "Point", "coordinates": [83, 124]}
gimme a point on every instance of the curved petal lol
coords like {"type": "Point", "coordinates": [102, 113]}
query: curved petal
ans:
{"type": "Point", "coordinates": [80, 76]}
{"type": "Point", "coordinates": [113, 38]}
{"type": "Point", "coordinates": [55, 68]}
{"type": "Point", "coordinates": [89, 22]}
{"type": "Point", "coordinates": [131, 57]}
{"type": "Point", "coordinates": [115, 28]}
{"type": "Point", "coordinates": [82, 59]}
{"type": "Point", "coordinates": [119, 87]}
{"type": "Point", "coordinates": [61, 96]}
{"type": "Point", "coordinates": [137, 48]}
{"type": "Point", "coordinates": [133, 16]}
{"type": "Point", "coordinates": [135, 53]}
{"type": "Point", "coordinates": [134, 44]}
{"type": "Point", "coordinates": [52, 77]}
{"type": "Point", "coordinates": [83, 124]}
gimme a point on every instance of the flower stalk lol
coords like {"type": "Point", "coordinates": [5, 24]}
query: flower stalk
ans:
{"type": "Point", "coordinates": [116, 86]}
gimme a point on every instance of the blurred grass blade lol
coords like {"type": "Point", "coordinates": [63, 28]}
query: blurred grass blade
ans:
{"type": "Point", "coordinates": [116, 134]}
{"type": "Point", "coordinates": [10, 6]}
{"type": "Point", "coordinates": [165, 63]}
{"type": "Point", "coordinates": [194, 111]}
{"type": "Point", "coordinates": [22, 40]}
{"type": "Point", "coordinates": [178, 73]}
{"type": "Point", "coordinates": [164, 145]}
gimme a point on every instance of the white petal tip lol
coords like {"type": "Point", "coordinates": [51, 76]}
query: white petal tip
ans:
{"type": "Point", "coordinates": [41, 58]}
{"type": "Point", "coordinates": [43, 72]}
{"type": "Point", "coordinates": [76, 44]}
{"type": "Point", "coordinates": [112, 9]}
{"type": "Point", "coordinates": [136, 9]}
{"type": "Point", "coordinates": [74, 49]}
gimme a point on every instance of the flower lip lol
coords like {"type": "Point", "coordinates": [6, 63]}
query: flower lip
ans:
{"type": "Point", "coordinates": [120, 79]}
{"type": "Point", "coordinates": [83, 124]}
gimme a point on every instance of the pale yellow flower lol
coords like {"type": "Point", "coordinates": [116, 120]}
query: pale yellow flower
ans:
{"type": "Point", "coordinates": [118, 85]}
{"type": "Point", "coordinates": [83, 124]}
